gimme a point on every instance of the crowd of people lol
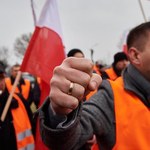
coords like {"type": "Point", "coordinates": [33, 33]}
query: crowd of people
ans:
{"type": "Point", "coordinates": [17, 129]}
{"type": "Point", "coordinates": [90, 107]}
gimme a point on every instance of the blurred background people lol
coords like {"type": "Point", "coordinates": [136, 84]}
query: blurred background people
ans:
{"type": "Point", "coordinates": [119, 64]}
{"type": "Point", "coordinates": [75, 53]}
{"type": "Point", "coordinates": [16, 129]}
{"type": "Point", "coordinates": [24, 85]}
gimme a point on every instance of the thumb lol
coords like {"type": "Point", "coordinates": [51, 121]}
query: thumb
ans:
{"type": "Point", "coordinates": [95, 82]}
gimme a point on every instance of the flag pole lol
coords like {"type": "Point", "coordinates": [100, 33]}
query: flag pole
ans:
{"type": "Point", "coordinates": [92, 52]}
{"type": "Point", "coordinates": [33, 12]}
{"type": "Point", "coordinates": [4, 113]}
{"type": "Point", "coordinates": [142, 10]}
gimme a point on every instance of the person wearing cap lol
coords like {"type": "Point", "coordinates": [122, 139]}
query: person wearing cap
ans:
{"type": "Point", "coordinates": [119, 64]}
{"type": "Point", "coordinates": [16, 128]}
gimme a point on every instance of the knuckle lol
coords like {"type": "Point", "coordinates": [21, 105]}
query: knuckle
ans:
{"type": "Point", "coordinates": [67, 60]}
{"type": "Point", "coordinates": [53, 82]}
{"type": "Point", "coordinates": [81, 93]}
{"type": "Point", "coordinates": [90, 65]}
{"type": "Point", "coordinates": [86, 80]}
{"type": "Point", "coordinates": [58, 70]}
{"type": "Point", "coordinates": [74, 104]}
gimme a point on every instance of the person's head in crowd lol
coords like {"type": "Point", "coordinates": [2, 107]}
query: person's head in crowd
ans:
{"type": "Point", "coordinates": [2, 79]}
{"type": "Point", "coordinates": [14, 70]}
{"type": "Point", "coordinates": [138, 46]}
{"type": "Point", "coordinates": [120, 62]}
{"type": "Point", "coordinates": [75, 53]}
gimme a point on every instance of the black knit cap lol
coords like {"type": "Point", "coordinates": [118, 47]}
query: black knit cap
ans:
{"type": "Point", "coordinates": [72, 52]}
{"type": "Point", "coordinates": [120, 56]}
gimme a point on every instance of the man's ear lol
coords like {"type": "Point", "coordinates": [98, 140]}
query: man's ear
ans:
{"type": "Point", "coordinates": [134, 56]}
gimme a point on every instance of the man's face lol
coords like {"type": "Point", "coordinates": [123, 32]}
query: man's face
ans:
{"type": "Point", "coordinates": [14, 71]}
{"type": "Point", "coordinates": [144, 57]}
{"type": "Point", "coordinates": [122, 64]}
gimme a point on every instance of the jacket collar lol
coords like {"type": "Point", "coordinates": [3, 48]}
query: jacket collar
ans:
{"type": "Point", "coordinates": [135, 82]}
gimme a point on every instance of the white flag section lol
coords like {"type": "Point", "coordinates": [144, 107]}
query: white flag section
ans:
{"type": "Point", "coordinates": [50, 17]}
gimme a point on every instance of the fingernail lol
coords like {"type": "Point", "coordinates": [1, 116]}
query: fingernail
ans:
{"type": "Point", "coordinates": [94, 84]}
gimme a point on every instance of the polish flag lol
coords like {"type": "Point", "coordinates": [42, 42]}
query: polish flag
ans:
{"type": "Point", "coordinates": [46, 49]}
{"type": "Point", "coordinates": [44, 53]}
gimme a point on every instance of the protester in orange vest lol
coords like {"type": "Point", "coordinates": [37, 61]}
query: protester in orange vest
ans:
{"type": "Point", "coordinates": [118, 114]}
{"type": "Point", "coordinates": [16, 129]}
{"type": "Point", "coordinates": [24, 85]}
{"type": "Point", "coordinates": [119, 64]}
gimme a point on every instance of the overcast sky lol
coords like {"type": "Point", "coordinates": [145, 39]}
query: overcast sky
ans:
{"type": "Point", "coordinates": [86, 24]}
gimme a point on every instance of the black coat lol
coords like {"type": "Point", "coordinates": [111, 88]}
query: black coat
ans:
{"type": "Point", "coordinates": [7, 131]}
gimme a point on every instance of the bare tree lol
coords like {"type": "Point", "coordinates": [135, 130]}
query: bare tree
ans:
{"type": "Point", "coordinates": [21, 44]}
{"type": "Point", "coordinates": [4, 56]}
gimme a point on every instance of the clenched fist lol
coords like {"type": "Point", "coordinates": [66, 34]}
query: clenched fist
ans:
{"type": "Point", "coordinates": [70, 81]}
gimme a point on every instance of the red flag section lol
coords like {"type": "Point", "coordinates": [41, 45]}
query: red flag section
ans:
{"type": "Point", "coordinates": [125, 49]}
{"type": "Point", "coordinates": [45, 51]}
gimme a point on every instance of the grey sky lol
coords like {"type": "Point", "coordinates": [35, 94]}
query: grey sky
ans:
{"type": "Point", "coordinates": [86, 24]}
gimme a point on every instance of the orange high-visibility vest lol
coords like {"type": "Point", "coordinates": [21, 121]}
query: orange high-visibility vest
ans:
{"type": "Point", "coordinates": [95, 68]}
{"type": "Point", "coordinates": [25, 87]}
{"type": "Point", "coordinates": [132, 119]}
{"type": "Point", "coordinates": [38, 80]}
{"type": "Point", "coordinates": [111, 73]}
{"type": "Point", "coordinates": [22, 126]}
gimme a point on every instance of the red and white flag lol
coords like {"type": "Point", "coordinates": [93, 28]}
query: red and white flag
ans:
{"type": "Point", "coordinates": [46, 49]}
{"type": "Point", "coordinates": [44, 53]}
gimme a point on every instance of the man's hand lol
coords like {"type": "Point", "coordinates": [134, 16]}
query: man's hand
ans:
{"type": "Point", "coordinates": [70, 81]}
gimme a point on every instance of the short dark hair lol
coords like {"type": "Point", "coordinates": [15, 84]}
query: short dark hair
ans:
{"type": "Point", "coordinates": [119, 56]}
{"type": "Point", "coordinates": [138, 36]}
{"type": "Point", "coordinates": [72, 52]}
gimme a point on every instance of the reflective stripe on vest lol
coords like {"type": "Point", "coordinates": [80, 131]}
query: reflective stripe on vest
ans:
{"type": "Point", "coordinates": [111, 73]}
{"type": "Point", "coordinates": [25, 87]}
{"type": "Point", "coordinates": [132, 119]}
{"type": "Point", "coordinates": [28, 147]}
{"type": "Point", "coordinates": [24, 136]}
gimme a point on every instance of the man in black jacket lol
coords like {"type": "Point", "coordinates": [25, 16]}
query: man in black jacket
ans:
{"type": "Point", "coordinates": [8, 133]}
